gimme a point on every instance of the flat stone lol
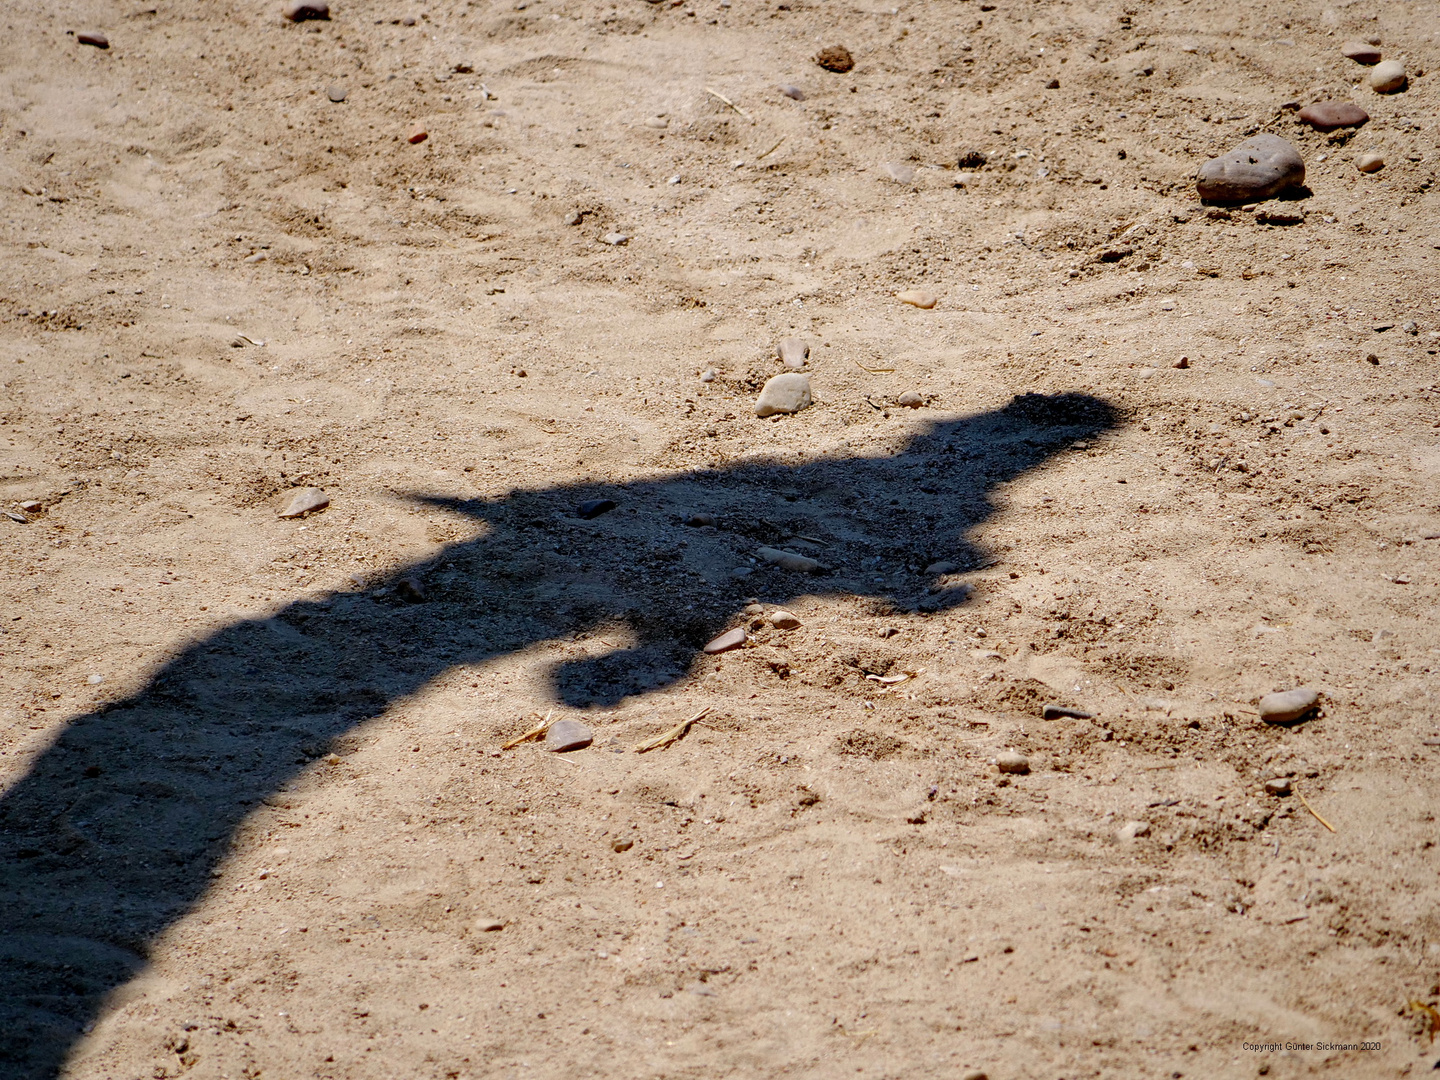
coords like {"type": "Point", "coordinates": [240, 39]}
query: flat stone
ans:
{"type": "Point", "coordinates": [566, 735]}
{"type": "Point", "coordinates": [1012, 761]}
{"type": "Point", "coordinates": [1362, 52]}
{"type": "Point", "coordinates": [1061, 712]}
{"type": "Point", "coordinates": [489, 926]}
{"type": "Point", "coordinates": [1287, 706]}
{"type": "Point", "coordinates": [1388, 77]}
{"type": "Point", "coordinates": [621, 846]}
{"type": "Point", "coordinates": [900, 172]}
{"type": "Point", "coordinates": [917, 298]}
{"type": "Point", "coordinates": [417, 135]}
{"type": "Point", "coordinates": [1053, 84]}
{"type": "Point", "coordinates": [789, 560]}
{"type": "Point", "coordinates": [657, 122]}
{"type": "Point", "coordinates": [300, 10]}
{"type": "Point", "coordinates": [574, 217]}
{"type": "Point", "coordinates": [793, 352]}
{"type": "Point", "coordinates": [1260, 167]}
{"type": "Point", "coordinates": [942, 567]}
{"type": "Point", "coordinates": [785, 393]}
{"type": "Point", "coordinates": [1329, 115]}
{"type": "Point", "coordinates": [34, 506]}
{"type": "Point", "coordinates": [1278, 786]}
{"type": "Point", "coordinates": [304, 501]}
{"type": "Point", "coordinates": [1370, 162]}
{"type": "Point", "coordinates": [784, 620]}
{"type": "Point", "coordinates": [615, 239]}
{"type": "Point", "coordinates": [910, 400]}
{"type": "Point", "coordinates": [593, 508]}
{"type": "Point", "coordinates": [699, 520]}
{"type": "Point", "coordinates": [835, 58]}
{"type": "Point", "coordinates": [1132, 830]}
{"type": "Point", "coordinates": [90, 37]}
{"type": "Point", "coordinates": [336, 93]}
{"type": "Point", "coordinates": [793, 92]}
{"type": "Point", "coordinates": [731, 639]}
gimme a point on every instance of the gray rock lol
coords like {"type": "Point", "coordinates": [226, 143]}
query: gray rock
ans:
{"type": "Point", "coordinates": [1388, 77]}
{"type": "Point", "coordinates": [785, 393]}
{"type": "Point", "coordinates": [1287, 706]}
{"type": "Point", "coordinates": [657, 122]}
{"type": "Point", "coordinates": [336, 93]}
{"type": "Point", "coordinates": [1362, 52]}
{"type": "Point", "coordinates": [1132, 830]}
{"type": "Point", "coordinates": [731, 639]}
{"type": "Point", "coordinates": [900, 172]}
{"type": "Point", "coordinates": [1278, 786]}
{"type": "Point", "coordinates": [708, 375]}
{"type": "Point", "coordinates": [566, 735]}
{"type": "Point", "coordinates": [942, 568]}
{"type": "Point", "coordinates": [793, 92]}
{"type": "Point", "coordinates": [574, 217]}
{"type": "Point", "coordinates": [1012, 761]}
{"type": "Point", "coordinates": [304, 501]}
{"type": "Point", "coordinates": [789, 560]}
{"type": "Point", "coordinates": [700, 520]}
{"type": "Point", "coordinates": [793, 352]}
{"type": "Point", "coordinates": [615, 239]}
{"type": "Point", "coordinates": [1260, 167]}
{"type": "Point", "coordinates": [300, 10]}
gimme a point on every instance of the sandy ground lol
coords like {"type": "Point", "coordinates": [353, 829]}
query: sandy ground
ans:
{"type": "Point", "coordinates": [256, 819]}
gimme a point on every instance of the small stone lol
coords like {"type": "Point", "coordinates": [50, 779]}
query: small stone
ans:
{"type": "Point", "coordinates": [1278, 786]}
{"type": "Point", "coordinates": [910, 400]}
{"type": "Point", "coordinates": [408, 20]}
{"type": "Point", "coordinates": [593, 508]}
{"type": "Point", "coordinates": [708, 375]}
{"type": "Point", "coordinates": [615, 239]}
{"type": "Point", "coordinates": [835, 58]}
{"type": "Point", "coordinates": [1062, 712]}
{"type": "Point", "coordinates": [731, 639]}
{"type": "Point", "coordinates": [1411, 327]}
{"type": "Point", "coordinates": [574, 217]}
{"type": "Point", "coordinates": [944, 567]}
{"type": "Point", "coordinates": [789, 560]}
{"type": "Point", "coordinates": [1132, 830]}
{"type": "Point", "coordinates": [1182, 363]}
{"type": "Point", "coordinates": [90, 37]}
{"type": "Point", "coordinates": [34, 506]}
{"type": "Point", "coordinates": [621, 846]}
{"type": "Point", "coordinates": [304, 501]}
{"type": "Point", "coordinates": [785, 393]}
{"type": "Point", "coordinates": [917, 298]}
{"type": "Point", "coordinates": [1388, 77]}
{"type": "Point", "coordinates": [1012, 761]}
{"type": "Point", "coordinates": [700, 520]}
{"type": "Point", "coordinates": [300, 10]}
{"type": "Point", "coordinates": [336, 93]}
{"type": "Point", "coordinates": [784, 620]}
{"type": "Point", "coordinates": [657, 122]}
{"type": "Point", "coordinates": [1362, 52]}
{"type": "Point", "coordinates": [754, 608]}
{"type": "Point", "coordinates": [566, 735]}
{"type": "Point", "coordinates": [793, 92]}
{"type": "Point", "coordinates": [899, 172]}
{"type": "Point", "coordinates": [1286, 706]}
{"type": "Point", "coordinates": [1053, 84]}
{"type": "Point", "coordinates": [418, 134]}
{"type": "Point", "coordinates": [489, 926]}
{"type": "Point", "coordinates": [411, 590]}
{"type": "Point", "coordinates": [793, 352]}
{"type": "Point", "coordinates": [971, 159]}
{"type": "Point", "coordinates": [1329, 115]}
{"type": "Point", "coordinates": [95, 680]}
{"type": "Point", "coordinates": [1258, 168]}
{"type": "Point", "coordinates": [1371, 162]}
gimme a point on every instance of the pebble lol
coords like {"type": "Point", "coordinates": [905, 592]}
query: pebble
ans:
{"type": "Point", "coordinates": [615, 239]}
{"type": "Point", "coordinates": [784, 620]}
{"type": "Point", "coordinates": [1053, 84]}
{"type": "Point", "coordinates": [1362, 52]}
{"type": "Point", "coordinates": [1258, 168]}
{"type": "Point", "coordinates": [489, 926]}
{"type": "Point", "coordinates": [1329, 115]}
{"type": "Point", "coordinates": [1371, 162]}
{"type": "Point", "coordinates": [1133, 829]}
{"type": "Point", "coordinates": [1060, 712]}
{"type": "Point", "coordinates": [731, 639]}
{"type": "Point", "coordinates": [789, 560]}
{"type": "Point", "coordinates": [1012, 761]}
{"type": "Point", "coordinates": [943, 567]}
{"type": "Point", "coordinates": [1285, 706]}
{"type": "Point", "coordinates": [336, 93]}
{"type": "Point", "coordinates": [658, 122]}
{"type": "Point", "coordinates": [910, 400]}
{"type": "Point", "coordinates": [411, 590]}
{"type": "Point", "coordinates": [785, 393]}
{"type": "Point", "coordinates": [621, 846]}
{"type": "Point", "coordinates": [708, 375]}
{"type": "Point", "coordinates": [793, 352]}
{"type": "Point", "coordinates": [565, 735]}
{"type": "Point", "coordinates": [917, 298]}
{"type": "Point", "coordinates": [34, 506]}
{"type": "Point", "coordinates": [1388, 77]}
{"type": "Point", "coordinates": [699, 520]}
{"type": "Point", "coordinates": [835, 58]}
{"type": "Point", "coordinates": [574, 217]}
{"type": "Point", "coordinates": [754, 608]}
{"type": "Point", "coordinates": [899, 172]}
{"type": "Point", "coordinates": [793, 92]}
{"type": "Point", "coordinates": [304, 501]}
{"type": "Point", "coordinates": [300, 10]}
{"type": "Point", "coordinates": [418, 134]}
{"type": "Point", "coordinates": [100, 41]}
{"type": "Point", "coordinates": [1279, 786]}
{"type": "Point", "coordinates": [593, 508]}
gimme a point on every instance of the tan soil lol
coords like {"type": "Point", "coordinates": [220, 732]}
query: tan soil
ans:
{"type": "Point", "coordinates": [268, 842]}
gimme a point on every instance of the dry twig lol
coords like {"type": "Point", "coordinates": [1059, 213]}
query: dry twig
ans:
{"type": "Point", "coordinates": [1313, 811]}
{"type": "Point", "coordinates": [876, 370]}
{"type": "Point", "coordinates": [727, 101]}
{"type": "Point", "coordinates": [674, 734]}
{"type": "Point", "coordinates": [536, 732]}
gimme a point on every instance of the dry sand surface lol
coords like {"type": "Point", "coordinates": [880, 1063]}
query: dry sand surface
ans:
{"type": "Point", "coordinates": [256, 821]}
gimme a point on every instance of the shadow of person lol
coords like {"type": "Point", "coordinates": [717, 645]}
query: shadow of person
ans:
{"type": "Point", "coordinates": [114, 832]}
